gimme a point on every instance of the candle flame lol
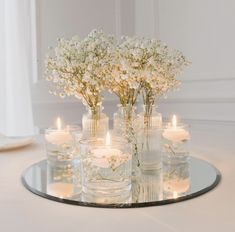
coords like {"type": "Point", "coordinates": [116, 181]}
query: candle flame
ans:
{"type": "Point", "coordinates": [108, 139]}
{"type": "Point", "coordinates": [174, 121]}
{"type": "Point", "coordinates": [175, 195]}
{"type": "Point", "coordinates": [58, 123]}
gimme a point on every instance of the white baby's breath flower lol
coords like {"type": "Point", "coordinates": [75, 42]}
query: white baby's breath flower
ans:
{"type": "Point", "coordinates": [78, 67]}
{"type": "Point", "coordinates": [83, 68]}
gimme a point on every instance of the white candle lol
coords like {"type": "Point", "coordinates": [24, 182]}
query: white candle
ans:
{"type": "Point", "coordinates": [59, 136]}
{"type": "Point", "coordinates": [107, 156]}
{"type": "Point", "coordinates": [175, 133]}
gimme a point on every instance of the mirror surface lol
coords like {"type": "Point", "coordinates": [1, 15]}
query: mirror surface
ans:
{"type": "Point", "coordinates": [147, 189]}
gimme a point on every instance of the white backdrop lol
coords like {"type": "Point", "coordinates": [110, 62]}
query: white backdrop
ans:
{"type": "Point", "coordinates": [15, 67]}
{"type": "Point", "coordinates": [202, 29]}
{"type": "Point", "coordinates": [65, 18]}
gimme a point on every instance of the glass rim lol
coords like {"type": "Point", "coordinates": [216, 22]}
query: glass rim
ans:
{"type": "Point", "coordinates": [70, 127]}
{"type": "Point", "coordinates": [169, 124]}
{"type": "Point", "coordinates": [102, 141]}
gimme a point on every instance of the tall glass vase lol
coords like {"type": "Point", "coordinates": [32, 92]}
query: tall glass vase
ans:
{"type": "Point", "coordinates": [124, 125]}
{"type": "Point", "coordinates": [149, 139]}
{"type": "Point", "coordinates": [94, 122]}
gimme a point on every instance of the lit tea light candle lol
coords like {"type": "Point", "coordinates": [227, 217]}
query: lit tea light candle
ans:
{"type": "Point", "coordinates": [175, 133]}
{"type": "Point", "coordinates": [102, 156]}
{"type": "Point", "coordinates": [59, 136]}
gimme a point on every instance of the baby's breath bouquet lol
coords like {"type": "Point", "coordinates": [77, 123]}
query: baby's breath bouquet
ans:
{"type": "Point", "coordinates": [84, 68]}
{"type": "Point", "coordinates": [126, 77]}
{"type": "Point", "coordinates": [161, 66]}
{"type": "Point", "coordinates": [79, 67]}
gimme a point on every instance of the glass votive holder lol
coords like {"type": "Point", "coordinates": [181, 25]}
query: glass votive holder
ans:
{"type": "Point", "coordinates": [63, 158]}
{"type": "Point", "coordinates": [150, 149]}
{"type": "Point", "coordinates": [106, 168]}
{"type": "Point", "coordinates": [175, 151]}
{"type": "Point", "coordinates": [61, 144]}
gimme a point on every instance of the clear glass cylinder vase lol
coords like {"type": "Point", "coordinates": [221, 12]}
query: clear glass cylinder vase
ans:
{"type": "Point", "coordinates": [149, 117]}
{"type": "Point", "coordinates": [124, 124]}
{"type": "Point", "coordinates": [149, 139]}
{"type": "Point", "coordinates": [95, 123]}
{"type": "Point", "coordinates": [150, 145]}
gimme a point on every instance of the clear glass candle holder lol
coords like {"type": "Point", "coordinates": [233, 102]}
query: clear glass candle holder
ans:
{"type": "Point", "coordinates": [106, 168]}
{"type": "Point", "coordinates": [63, 158]}
{"type": "Point", "coordinates": [61, 144]}
{"type": "Point", "coordinates": [175, 151]}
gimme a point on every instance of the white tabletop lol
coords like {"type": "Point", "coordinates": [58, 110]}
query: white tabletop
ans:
{"type": "Point", "coordinates": [20, 210]}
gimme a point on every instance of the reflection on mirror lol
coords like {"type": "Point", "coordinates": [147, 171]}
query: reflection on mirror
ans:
{"type": "Point", "coordinates": [197, 177]}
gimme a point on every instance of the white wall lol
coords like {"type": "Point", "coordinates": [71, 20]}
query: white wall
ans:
{"type": "Point", "coordinates": [66, 18]}
{"type": "Point", "coordinates": [202, 29]}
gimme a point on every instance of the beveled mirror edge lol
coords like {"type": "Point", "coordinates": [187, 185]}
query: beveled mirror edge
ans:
{"type": "Point", "coordinates": [126, 205]}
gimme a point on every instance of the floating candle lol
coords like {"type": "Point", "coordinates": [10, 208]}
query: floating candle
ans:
{"type": "Point", "coordinates": [176, 133]}
{"type": "Point", "coordinates": [59, 136]}
{"type": "Point", "coordinates": [108, 156]}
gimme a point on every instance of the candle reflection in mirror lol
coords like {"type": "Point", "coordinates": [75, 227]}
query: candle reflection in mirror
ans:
{"type": "Point", "coordinates": [63, 181]}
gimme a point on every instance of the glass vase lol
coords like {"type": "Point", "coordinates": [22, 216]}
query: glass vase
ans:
{"type": "Point", "coordinates": [106, 169]}
{"type": "Point", "coordinates": [95, 123]}
{"type": "Point", "coordinates": [176, 175]}
{"type": "Point", "coordinates": [149, 117]}
{"type": "Point", "coordinates": [149, 139]}
{"type": "Point", "coordinates": [150, 145]}
{"type": "Point", "coordinates": [123, 120]}
{"type": "Point", "coordinates": [124, 124]}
